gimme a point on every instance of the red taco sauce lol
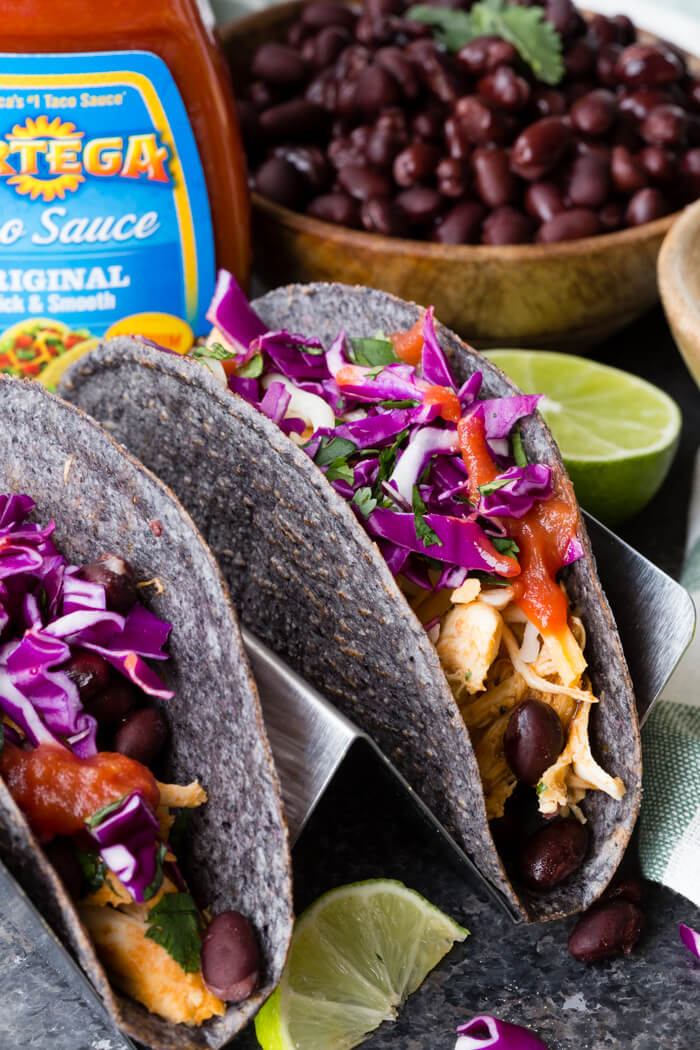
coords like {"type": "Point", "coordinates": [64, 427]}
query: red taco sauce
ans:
{"type": "Point", "coordinates": [117, 113]}
{"type": "Point", "coordinates": [57, 791]}
{"type": "Point", "coordinates": [543, 534]}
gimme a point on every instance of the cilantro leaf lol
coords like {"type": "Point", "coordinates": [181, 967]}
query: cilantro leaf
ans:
{"type": "Point", "coordinates": [541, 787]}
{"type": "Point", "coordinates": [174, 924]}
{"type": "Point", "coordinates": [252, 368]}
{"type": "Point", "coordinates": [157, 880]}
{"type": "Point", "coordinates": [92, 867]}
{"type": "Point", "coordinates": [423, 531]}
{"type": "Point", "coordinates": [493, 486]}
{"type": "Point", "coordinates": [372, 352]}
{"type": "Point", "coordinates": [489, 579]}
{"type": "Point", "coordinates": [332, 449]}
{"type": "Point", "coordinates": [215, 350]}
{"type": "Point", "coordinates": [387, 457]}
{"type": "Point", "coordinates": [534, 38]}
{"type": "Point", "coordinates": [406, 403]}
{"type": "Point", "coordinates": [505, 545]}
{"type": "Point", "coordinates": [518, 450]}
{"type": "Point", "coordinates": [340, 470]}
{"type": "Point", "coordinates": [453, 29]}
{"type": "Point", "coordinates": [99, 815]}
{"type": "Point", "coordinates": [364, 501]}
{"type": "Point", "coordinates": [313, 351]}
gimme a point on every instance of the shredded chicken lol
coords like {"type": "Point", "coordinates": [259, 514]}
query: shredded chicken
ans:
{"type": "Point", "coordinates": [468, 643]}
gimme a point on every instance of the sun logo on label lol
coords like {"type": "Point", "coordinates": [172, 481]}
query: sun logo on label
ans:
{"type": "Point", "coordinates": [58, 144]}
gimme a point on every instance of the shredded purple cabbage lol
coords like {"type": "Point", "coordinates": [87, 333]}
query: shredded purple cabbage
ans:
{"type": "Point", "coordinates": [46, 612]}
{"type": "Point", "coordinates": [690, 938]}
{"type": "Point", "coordinates": [488, 1031]}
{"type": "Point", "coordinates": [390, 453]}
{"type": "Point", "coordinates": [129, 843]}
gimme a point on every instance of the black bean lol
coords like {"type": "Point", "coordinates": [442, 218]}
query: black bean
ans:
{"type": "Point", "coordinates": [280, 181]}
{"type": "Point", "coordinates": [493, 179]}
{"type": "Point", "coordinates": [230, 957]}
{"type": "Point", "coordinates": [640, 103]}
{"type": "Point", "coordinates": [665, 126]}
{"type": "Point", "coordinates": [626, 886]}
{"type": "Point", "coordinates": [612, 216]}
{"type": "Point", "coordinates": [606, 64]}
{"type": "Point", "coordinates": [645, 206]}
{"type": "Point", "coordinates": [480, 121]}
{"type": "Point", "coordinates": [594, 113]}
{"type": "Point", "coordinates": [563, 16]}
{"type": "Point", "coordinates": [548, 102]}
{"type": "Point", "coordinates": [461, 225]}
{"type": "Point", "coordinates": [588, 181]}
{"type": "Point", "coordinates": [533, 740]}
{"type": "Point", "coordinates": [113, 703]}
{"type": "Point", "coordinates": [569, 226]}
{"type": "Point", "coordinates": [579, 58]}
{"type": "Point", "coordinates": [420, 204]}
{"type": "Point", "coordinates": [648, 65]}
{"type": "Point", "coordinates": [553, 852]}
{"type": "Point", "coordinates": [298, 119]}
{"type": "Point", "coordinates": [142, 735]}
{"type": "Point", "coordinates": [375, 89]}
{"type": "Point", "coordinates": [659, 164]}
{"type": "Point", "coordinates": [395, 62]}
{"type": "Point", "coordinates": [311, 164]}
{"type": "Point", "coordinates": [90, 672]}
{"type": "Point", "coordinates": [483, 54]}
{"type": "Point", "coordinates": [429, 124]}
{"type": "Point", "coordinates": [543, 200]}
{"type": "Point", "coordinates": [415, 164]}
{"type": "Point", "coordinates": [456, 140]}
{"type": "Point", "coordinates": [507, 225]}
{"type": "Point", "coordinates": [381, 215]}
{"type": "Point", "coordinates": [117, 577]}
{"type": "Point", "coordinates": [323, 13]}
{"type": "Point", "coordinates": [363, 183]}
{"type": "Point", "coordinates": [279, 65]}
{"type": "Point", "coordinates": [540, 146]}
{"type": "Point", "coordinates": [504, 88]}
{"type": "Point", "coordinates": [606, 930]}
{"type": "Point", "coordinates": [452, 177]}
{"type": "Point", "coordinates": [335, 207]}
{"type": "Point", "coordinates": [328, 45]}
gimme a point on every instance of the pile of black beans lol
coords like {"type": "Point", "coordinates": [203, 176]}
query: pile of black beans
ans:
{"type": "Point", "coordinates": [360, 118]}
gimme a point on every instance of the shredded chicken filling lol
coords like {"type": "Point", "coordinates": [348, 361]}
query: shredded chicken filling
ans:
{"type": "Point", "coordinates": [494, 658]}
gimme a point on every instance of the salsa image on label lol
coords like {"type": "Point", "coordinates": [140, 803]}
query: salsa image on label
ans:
{"type": "Point", "coordinates": [104, 211]}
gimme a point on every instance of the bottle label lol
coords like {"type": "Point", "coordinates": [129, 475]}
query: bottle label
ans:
{"type": "Point", "coordinates": [104, 210]}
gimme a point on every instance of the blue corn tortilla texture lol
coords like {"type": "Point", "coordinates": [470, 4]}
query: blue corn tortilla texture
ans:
{"type": "Point", "coordinates": [102, 499]}
{"type": "Point", "coordinates": [310, 583]}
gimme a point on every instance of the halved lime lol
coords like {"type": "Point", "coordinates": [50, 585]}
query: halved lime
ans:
{"type": "Point", "coordinates": [356, 954]}
{"type": "Point", "coordinates": [617, 433]}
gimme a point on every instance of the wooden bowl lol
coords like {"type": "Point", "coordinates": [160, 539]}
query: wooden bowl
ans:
{"type": "Point", "coordinates": [679, 284]}
{"type": "Point", "coordinates": [566, 296]}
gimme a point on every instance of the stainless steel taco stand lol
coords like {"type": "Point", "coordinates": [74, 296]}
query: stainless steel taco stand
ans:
{"type": "Point", "coordinates": [48, 1003]}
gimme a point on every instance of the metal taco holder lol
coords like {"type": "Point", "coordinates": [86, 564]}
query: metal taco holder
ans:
{"type": "Point", "coordinates": [311, 741]}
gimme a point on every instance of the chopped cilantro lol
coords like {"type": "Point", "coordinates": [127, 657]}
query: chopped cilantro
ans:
{"type": "Point", "coordinates": [407, 402]}
{"type": "Point", "coordinates": [541, 787]}
{"type": "Point", "coordinates": [332, 449]}
{"type": "Point", "coordinates": [371, 352]}
{"type": "Point", "coordinates": [387, 456]}
{"type": "Point", "coordinates": [423, 531]}
{"type": "Point", "coordinates": [92, 867]}
{"type": "Point", "coordinates": [489, 579]}
{"type": "Point", "coordinates": [315, 351]}
{"type": "Point", "coordinates": [105, 811]}
{"type": "Point", "coordinates": [364, 501]}
{"type": "Point", "coordinates": [340, 470]}
{"type": "Point", "coordinates": [215, 351]}
{"type": "Point", "coordinates": [502, 709]}
{"type": "Point", "coordinates": [467, 675]}
{"type": "Point", "coordinates": [534, 38]}
{"type": "Point", "coordinates": [157, 880]}
{"type": "Point", "coordinates": [505, 545]}
{"type": "Point", "coordinates": [252, 368]}
{"type": "Point", "coordinates": [493, 486]}
{"type": "Point", "coordinates": [518, 450]}
{"type": "Point", "coordinates": [174, 924]}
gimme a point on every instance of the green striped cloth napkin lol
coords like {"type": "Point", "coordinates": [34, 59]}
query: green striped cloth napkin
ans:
{"type": "Point", "coordinates": [669, 840]}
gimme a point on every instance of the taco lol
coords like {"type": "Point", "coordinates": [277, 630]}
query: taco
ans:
{"type": "Point", "coordinates": [391, 559]}
{"type": "Point", "coordinates": [28, 347]}
{"type": "Point", "coordinates": [83, 789]}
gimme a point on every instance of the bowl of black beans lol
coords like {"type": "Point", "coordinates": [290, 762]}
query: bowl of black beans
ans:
{"type": "Point", "coordinates": [516, 165]}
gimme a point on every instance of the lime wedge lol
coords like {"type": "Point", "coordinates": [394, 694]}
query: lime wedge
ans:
{"type": "Point", "coordinates": [617, 433]}
{"type": "Point", "coordinates": [356, 954]}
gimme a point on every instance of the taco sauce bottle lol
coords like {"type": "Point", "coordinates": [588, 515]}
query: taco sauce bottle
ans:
{"type": "Point", "coordinates": [122, 177]}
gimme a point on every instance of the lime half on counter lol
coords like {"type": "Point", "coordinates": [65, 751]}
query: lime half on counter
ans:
{"type": "Point", "coordinates": [617, 433]}
{"type": "Point", "coordinates": [356, 954]}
